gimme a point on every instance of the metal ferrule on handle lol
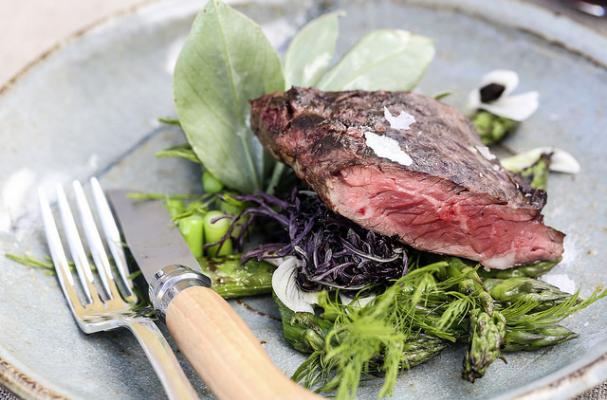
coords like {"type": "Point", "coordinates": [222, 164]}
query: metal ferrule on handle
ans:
{"type": "Point", "coordinates": [172, 280]}
{"type": "Point", "coordinates": [216, 341]}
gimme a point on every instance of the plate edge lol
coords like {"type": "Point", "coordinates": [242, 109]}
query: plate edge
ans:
{"type": "Point", "coordinates": [23, 385]}
{"type": "Point", "coordinates": [577, 381]}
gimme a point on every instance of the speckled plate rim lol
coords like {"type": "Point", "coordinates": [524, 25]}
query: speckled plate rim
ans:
{"type": "Point", "coordinates": [548, 25]}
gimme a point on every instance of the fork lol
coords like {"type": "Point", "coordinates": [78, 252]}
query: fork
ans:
{"type": "Point", "coordinates": [104, 300]}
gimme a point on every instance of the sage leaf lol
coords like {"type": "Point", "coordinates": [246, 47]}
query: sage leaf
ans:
{"type": "Point", "coordinates": [382, 60]}
{"type": "Point", "coordinates": [225, 62]}
{"type": "Point", "coordinates": [311, 51]}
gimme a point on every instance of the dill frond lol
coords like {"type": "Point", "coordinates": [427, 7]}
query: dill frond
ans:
{"type": "Point", "coordinates": [414, 319]}
{"type": "Point", "coordinates": [32, 262]}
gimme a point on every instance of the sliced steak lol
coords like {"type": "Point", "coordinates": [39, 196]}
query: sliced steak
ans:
{"type": "Point", "coordinates": [433, 183]}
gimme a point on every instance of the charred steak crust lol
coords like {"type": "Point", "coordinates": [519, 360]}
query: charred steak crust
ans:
{"type": "Point", "coordinates": [454, 184]}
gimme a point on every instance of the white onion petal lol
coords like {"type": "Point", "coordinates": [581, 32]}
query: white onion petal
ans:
{"type": "Point", "coordinates": [518, 107]}
{"type": "Point", "coordinates": [561, 160]}
{"type": "Point", "coordinates": [285, 287]}
{"type": "Point", "coordinates": [474, 101]}
{"type": "Point", "coordinates": [564, 162]}
{"type": "Point", "coordinates": [507, 78]}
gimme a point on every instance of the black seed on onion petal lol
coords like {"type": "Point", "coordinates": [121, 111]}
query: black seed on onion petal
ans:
{"type": "Point", "coordinates": [491, 92]}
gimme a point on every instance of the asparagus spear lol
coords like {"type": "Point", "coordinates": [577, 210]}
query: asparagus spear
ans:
{"type": "Point", "coordinates": [416, 350]}
{"type": "Point", "coordinates": [473, 285]}
{"type": "Point", "coordinates": [421, 348]}
{"type": "Point", "coordinates": [535, 339]}
{"type": "Point", "coordinates": [231, 279]}
{"type": "Point", "coordinates": [523, 289]}
{"type": "Point", "coordinates": [530, 270]}
{"type": "Point", "coordinates": [304, 331]}
{"type": "Point", "coordinates": [492, 128]}
{"type": "Point", "coordinates": [487, 326]}
{"type": "Point", "coordinates": [486, 339]}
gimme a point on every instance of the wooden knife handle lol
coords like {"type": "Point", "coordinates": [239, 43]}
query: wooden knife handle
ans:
{"type": "Point", "coordinates": [224, 351]}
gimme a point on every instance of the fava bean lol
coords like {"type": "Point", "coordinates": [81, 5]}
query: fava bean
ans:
{"type": "Point", "coordinates": [215, 228]}
{"type": "Point", "coordinates": [210, 184]}
{"type": "Point", "coordinates": [175, 207]}
{"type": "Point", "coordinates": [192, 229]}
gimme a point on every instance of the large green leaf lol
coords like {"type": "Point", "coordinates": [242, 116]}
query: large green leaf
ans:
{"type": "Point", "coordinates": [381, 60]}
{"type": "Point", "coordinates": [225, 62]}
{"type": "Point", "coordinates": [311, 50]}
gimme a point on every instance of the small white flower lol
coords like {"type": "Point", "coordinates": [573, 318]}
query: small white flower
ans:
{"type": "Point", "coordinates": [285, 287]}
{"type": "Point", "coordinates": [494, 95]}
{"type": "Point", "coordinates": [561, 160]}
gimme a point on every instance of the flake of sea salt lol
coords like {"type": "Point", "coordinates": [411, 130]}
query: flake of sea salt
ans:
{"type": "Point", "coordinates": [403, 121]}
{"type": "Point", "coordinates": [386, 147]}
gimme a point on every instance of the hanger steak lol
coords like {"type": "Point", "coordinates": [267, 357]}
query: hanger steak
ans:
{"type": "Point", "coordinates": [404, 164]}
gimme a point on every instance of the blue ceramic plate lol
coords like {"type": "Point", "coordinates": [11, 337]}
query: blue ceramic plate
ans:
{"type": "Point", "coordinates": [90, 108]}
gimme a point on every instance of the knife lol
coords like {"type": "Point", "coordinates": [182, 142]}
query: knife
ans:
{"type": "Point", "coordinates": [215, 340]}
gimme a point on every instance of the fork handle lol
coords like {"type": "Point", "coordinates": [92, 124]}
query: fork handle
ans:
{"type": "Point", "coordinates": [161, 356]}
{"type": "Point", "coordinates": [224, 351]}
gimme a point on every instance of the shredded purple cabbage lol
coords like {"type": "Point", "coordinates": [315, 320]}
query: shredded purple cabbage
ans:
{"type": "Point", "coordinates": [335, 251]}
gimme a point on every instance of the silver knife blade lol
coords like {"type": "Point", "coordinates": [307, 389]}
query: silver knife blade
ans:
{"type": "Point", "coordinates": [150, 234]}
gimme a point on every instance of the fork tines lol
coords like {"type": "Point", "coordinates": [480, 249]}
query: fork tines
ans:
{"type": "Point", "coordinates": [94, 287]}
